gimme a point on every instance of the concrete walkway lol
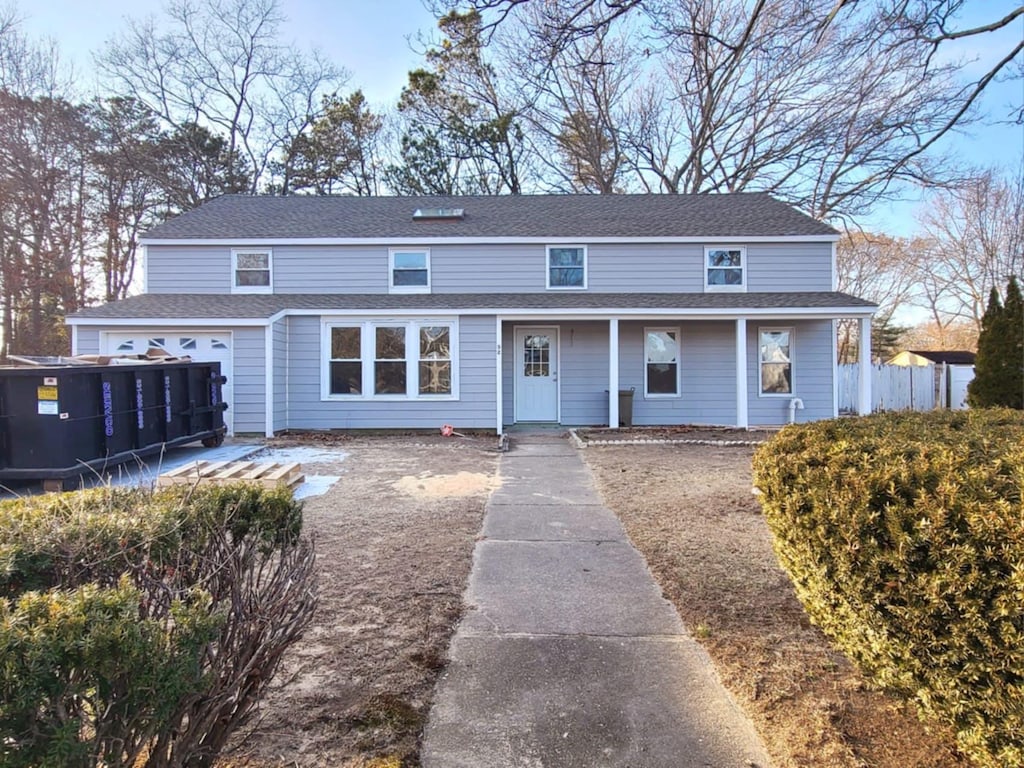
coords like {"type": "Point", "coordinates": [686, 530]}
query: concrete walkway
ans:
{"type": "Point", "coordinates": [569, 657]}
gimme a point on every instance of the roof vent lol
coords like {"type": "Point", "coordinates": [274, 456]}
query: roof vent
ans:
{"type": "Point", "coordinates": [426, 214]}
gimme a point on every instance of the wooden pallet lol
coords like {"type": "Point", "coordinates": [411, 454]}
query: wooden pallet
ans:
{"type": "Point", "coordinates": [269, 474]}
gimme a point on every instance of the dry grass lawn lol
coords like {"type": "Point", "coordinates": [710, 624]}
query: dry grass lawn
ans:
{"type": "Point", "coordinates": [394, 541]}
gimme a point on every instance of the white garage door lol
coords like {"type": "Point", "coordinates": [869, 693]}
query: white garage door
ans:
{"type": "Point", "coordinates": [201, 346]}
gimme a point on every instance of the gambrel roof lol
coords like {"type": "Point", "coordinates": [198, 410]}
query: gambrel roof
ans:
{"type": "Point", "coordinates": [585, 217]}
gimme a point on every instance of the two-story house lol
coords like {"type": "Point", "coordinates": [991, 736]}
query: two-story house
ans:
{"type": "Point", "coordinates": [483, 312]}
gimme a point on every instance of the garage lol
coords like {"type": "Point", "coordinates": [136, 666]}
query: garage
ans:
{"type": "Point", "coordinates": [201, 346]}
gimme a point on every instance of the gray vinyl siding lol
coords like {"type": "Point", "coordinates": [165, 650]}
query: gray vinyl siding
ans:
{"type": "Point", "coordinates": [250, 389]}
{"type": "Point", "coordinates": [812, 353]}
{"type": "Point", "coordinates": [707, 373]}
{"type": "Point", "coordinates": [279, 333]}
{"type": "Point", "coordinates": [188, 269]}
{"type": "Point", "coordinates": [330, 269]}
{"type": "Point", "coordinates": [476, 407]}
{"type": "Point", "coordinates": [617, 267]}
{"type": "Point", "coordinates": [583, 373]}
{"type": "Point", "coordinates": [88, 340]}
{"type": "Point", "coordinates": [707, 393]}
{"type": "Point", "coordinates": [789, 267]}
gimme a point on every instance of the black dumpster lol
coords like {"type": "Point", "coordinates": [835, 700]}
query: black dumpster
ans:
{"type": "Point", "coordinates": [60, 422]}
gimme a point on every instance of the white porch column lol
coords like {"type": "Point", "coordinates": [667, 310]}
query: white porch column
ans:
{"type": "Point", "coordinates": [499, 394]}
{"type": "Point", "coordinates": [742, 419]}
{"type": "Point", "coordinates": [613, 373]}
{"type": "Point", "coordinates": [864, 389]}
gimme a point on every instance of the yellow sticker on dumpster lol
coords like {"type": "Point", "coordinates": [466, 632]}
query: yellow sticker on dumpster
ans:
{"type": "Point", "coordinates": [46, 393]}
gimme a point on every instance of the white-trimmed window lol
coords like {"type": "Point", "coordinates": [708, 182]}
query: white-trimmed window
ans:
{"type": "Point", "coordinates": [775, 361]}
{"type": "Point", "coordinates": [390, 359]}
{"type": "Point", "coordinates": [661, 362]}
{"type": "Point", "coordinates": [409, 270]}
{"type": "Point", "coordinates": [345, 364]}
{"type": "Point", "coordinates": [566, 267]}
{"type": "Point", "coordinates": [725, 268]}
{"type": "Point", "coordinates": [252, 271]}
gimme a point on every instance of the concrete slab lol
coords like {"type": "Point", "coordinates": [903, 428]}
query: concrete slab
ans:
{"type": "Point", "coordinates": [583, 703]}
{"type": "Point", "coordinates": [519, 449]}
{"type": "Point", "coordinates": [544, 490]}
{"type": "Point", "coordinates": [565, 588]}
{"type": "Point", "coordinates": [552, 522]}
{"type": "Point", "coordinates": [569, 656]}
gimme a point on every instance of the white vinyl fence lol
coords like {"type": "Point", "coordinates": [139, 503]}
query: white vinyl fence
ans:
{"type": "Point", "coordinates": [893, 387]}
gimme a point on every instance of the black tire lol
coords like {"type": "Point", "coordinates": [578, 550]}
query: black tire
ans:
{"type": "Point", "coordinates": [214, 442]}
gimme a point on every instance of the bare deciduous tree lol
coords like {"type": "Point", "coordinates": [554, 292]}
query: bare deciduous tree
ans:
{"type": "Point", "coordinates": [973, 241]}
{"type": "Point", "coordinates": [832, 111]}
{"type": "Point", "coordinates": [878, 268]}
{"type": "Point", "coordinates": [221, 65]}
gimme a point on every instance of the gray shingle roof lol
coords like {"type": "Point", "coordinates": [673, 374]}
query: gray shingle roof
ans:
{"type": "Point", "coordinates": [512, 216]}
{"type": "Point", "coordinates": [221, 306]}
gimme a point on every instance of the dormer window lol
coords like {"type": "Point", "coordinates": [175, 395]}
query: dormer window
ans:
{"type": "Point", "coordinates": [251, 271]}
{"type": "Point", "coordinates": [409, 271]}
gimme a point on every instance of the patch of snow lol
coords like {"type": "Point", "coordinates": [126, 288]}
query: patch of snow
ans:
{"type": "Point", "coordinates": [302, 454]}
{"type": "Point", "coordinates": [315, 485]}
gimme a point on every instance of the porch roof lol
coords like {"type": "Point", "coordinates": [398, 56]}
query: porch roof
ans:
{"type": "Point", "coordinates": [174, 306]}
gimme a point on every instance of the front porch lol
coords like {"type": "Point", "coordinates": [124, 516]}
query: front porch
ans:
{"type": "Point", "coordinates": [737, 371]}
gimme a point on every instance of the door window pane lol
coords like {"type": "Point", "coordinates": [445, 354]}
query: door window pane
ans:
{"type": "Point", "coordinates": [537, 355]}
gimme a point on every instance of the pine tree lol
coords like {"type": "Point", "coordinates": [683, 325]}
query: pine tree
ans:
{"type": "Point", "coordinates": [999, 367]}
{"type": "Point", "coordinates": [983, 391]}
{"type": "Point", "coordinates": [1013, 313]}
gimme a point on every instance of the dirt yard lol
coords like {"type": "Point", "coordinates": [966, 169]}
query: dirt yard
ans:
{"type": "Point", "coordinates": [690, 511]}
{"type": "Point", "coordinates": [394, 539]}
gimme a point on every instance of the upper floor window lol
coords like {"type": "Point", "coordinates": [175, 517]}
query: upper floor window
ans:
{"type": "Point", "coordinates": [410, 271]}
{"type": "Point", "coordinates": [661, 349]}
{"type": "Point", "coordinates": [776, 361]}
{"type": "Point", "coordinates": [567, 266]}
{"type": "Point", "coordinates": [725, 268]}
{"type": "Point", "coordinates": [251, 271]}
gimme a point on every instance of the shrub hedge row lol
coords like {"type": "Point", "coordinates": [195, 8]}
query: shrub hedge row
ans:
{"type": "Point", "coordinates": [904, 537]}
{"type": "Point", "coordinates": [138, 628]}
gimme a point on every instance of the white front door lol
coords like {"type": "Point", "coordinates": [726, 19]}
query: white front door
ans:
{"type": "Point", "coordinates": [201, 346]}
{"type": "Point", "coordinates": [536, 377]}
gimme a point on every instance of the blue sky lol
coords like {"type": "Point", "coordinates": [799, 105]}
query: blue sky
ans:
{"type": "Point", "coordinates": [375, 39]}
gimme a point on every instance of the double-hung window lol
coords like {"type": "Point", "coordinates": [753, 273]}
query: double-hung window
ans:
{"type": "Point", "coordinates": [775, 358]}
{"type": "Point", "coordinates": [661, 351]}
{"type": "Point", "coordinates": [251, 271]}
{"type": "Point", "coordinates": [725, 268]}
{"type": "Point", "coordinates": [567, 267]}
{"type": "Point", "coordinates": [409, 271]}
{"type": "Point", "coordinates": [346, 364]}
{"type": "Point", "coordinates": [370, 359]}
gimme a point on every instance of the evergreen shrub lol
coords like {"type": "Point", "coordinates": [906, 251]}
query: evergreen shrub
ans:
{"type": "Point", "coordinates": [904, 537]}
{"type": "Point", "coordinates": [139, 628]}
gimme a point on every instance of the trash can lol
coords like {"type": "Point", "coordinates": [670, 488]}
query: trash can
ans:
{"type": "Point", "coordinates": [59, 422]}
{"type": "Point", "coordinates": [626, 407]}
